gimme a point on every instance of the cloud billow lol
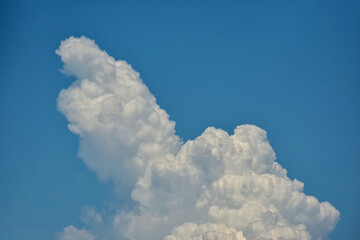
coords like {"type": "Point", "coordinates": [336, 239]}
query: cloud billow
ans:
{"type": "Point", "coordinates": [217, 186]}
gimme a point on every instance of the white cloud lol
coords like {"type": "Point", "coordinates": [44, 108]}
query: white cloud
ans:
{"type": "Point", "coordinates": [206, 231]}
{"type": "Point", "coordinates": [217, 186]}
{"type": "Point", "coordinates": [122, 129]}
{"type": "Point", "coordinates": [71, 233]}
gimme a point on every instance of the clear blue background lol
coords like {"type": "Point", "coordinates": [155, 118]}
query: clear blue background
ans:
{"type": "Point", "coordinates": [290, 67]}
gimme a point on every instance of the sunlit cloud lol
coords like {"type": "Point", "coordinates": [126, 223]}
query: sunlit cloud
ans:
{"type": "Point", "coordinates": [217, 186]}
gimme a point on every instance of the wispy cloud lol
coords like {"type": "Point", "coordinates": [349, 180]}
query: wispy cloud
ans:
{"type": "Point", "coordinates": [217, 186]}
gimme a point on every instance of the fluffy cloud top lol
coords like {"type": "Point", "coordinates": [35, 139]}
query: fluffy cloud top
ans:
{"type": "Point", "coordinates": [217, 186]}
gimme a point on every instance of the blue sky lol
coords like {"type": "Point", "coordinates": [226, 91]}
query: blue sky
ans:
{"type": "Point", "coordinates": [290, 67]}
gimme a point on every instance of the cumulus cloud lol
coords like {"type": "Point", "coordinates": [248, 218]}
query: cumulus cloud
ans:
{"type": "Point", "coordinates": [217, 186]}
